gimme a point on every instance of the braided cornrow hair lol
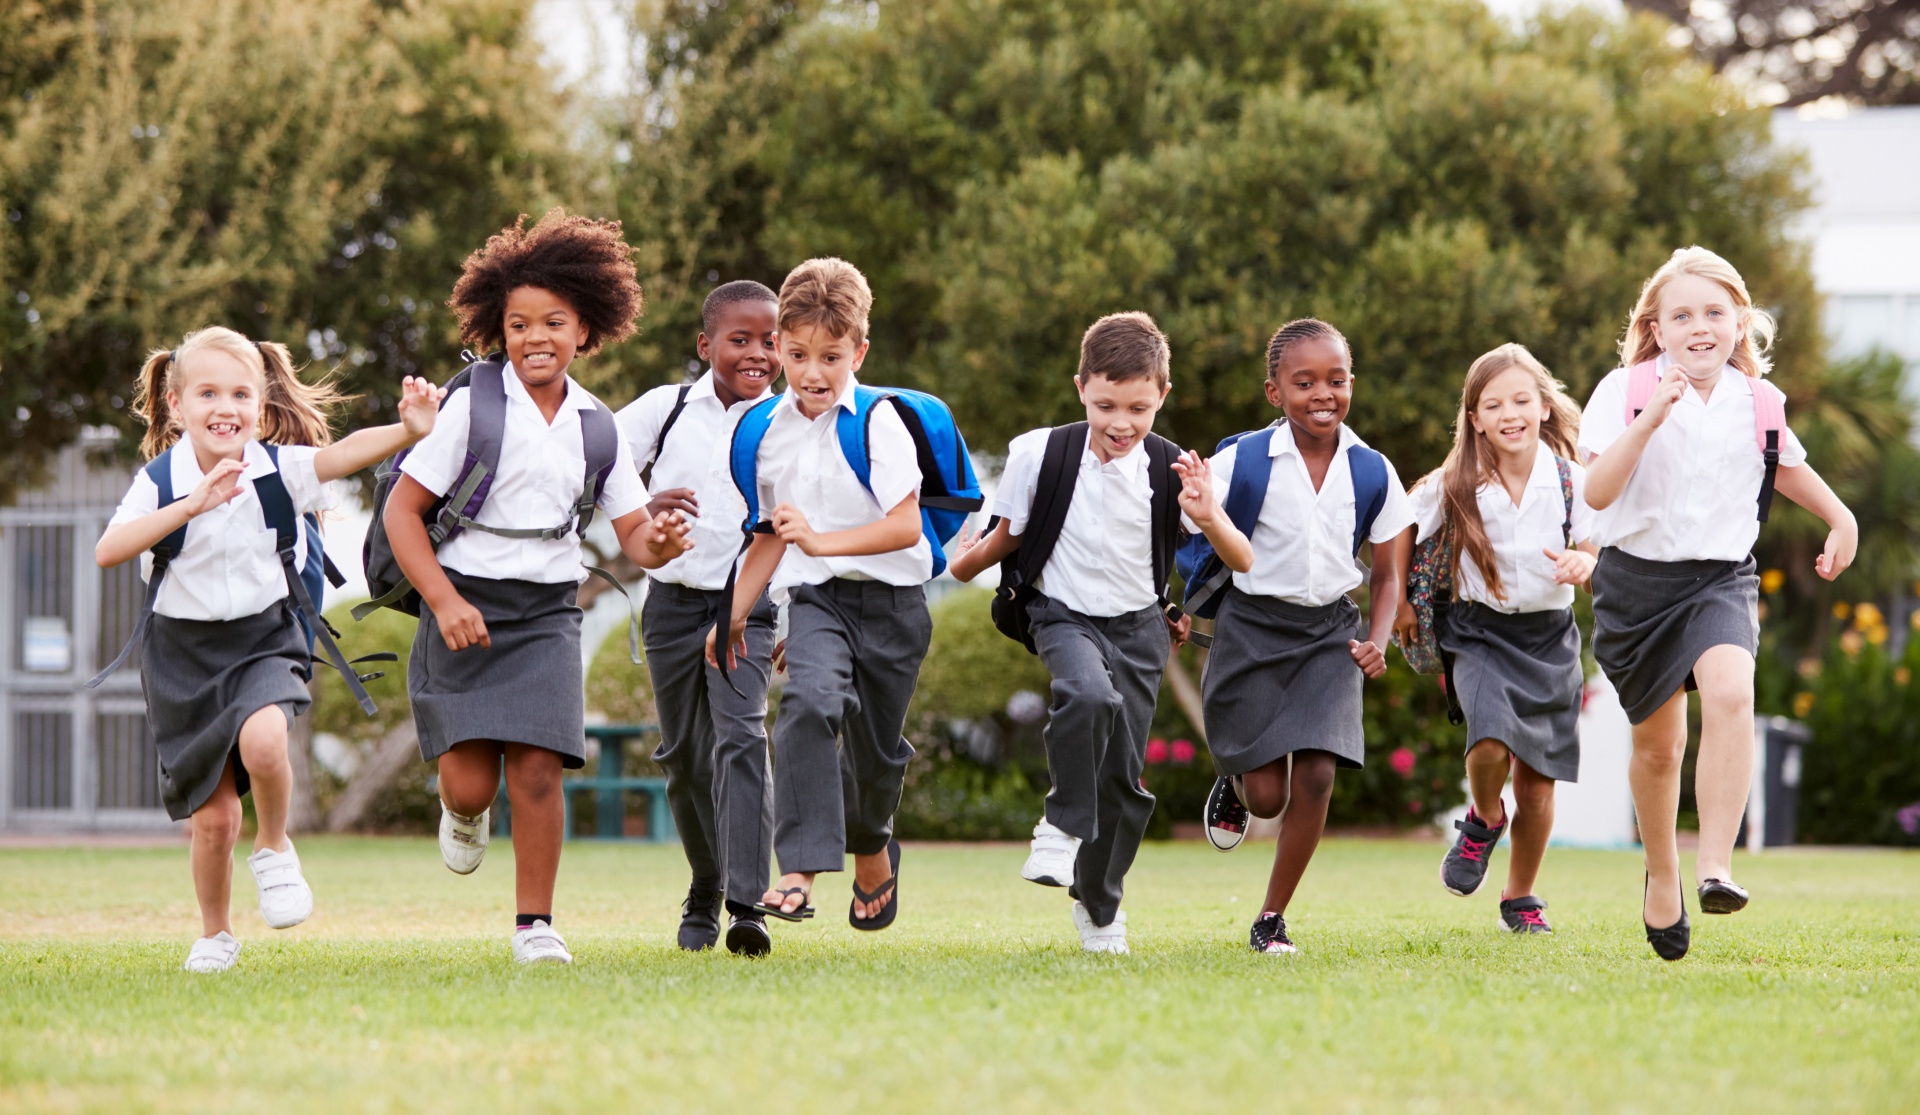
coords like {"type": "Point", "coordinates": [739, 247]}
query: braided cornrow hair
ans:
{"type": "Point", "coordinates": [1299, 329]}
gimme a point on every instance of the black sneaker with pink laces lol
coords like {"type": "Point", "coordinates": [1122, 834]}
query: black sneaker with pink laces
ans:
{"type": "Point", "coordinates": [1269, 935]}
{"type": "Point", "coordinates": [1525, 914]}
{"type": "Point", "coordinates": [1465, 865]}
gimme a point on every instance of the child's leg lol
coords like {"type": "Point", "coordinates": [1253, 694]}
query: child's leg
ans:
{"type": "Point", "coordinates": [1081, 718]}
{"type": "Point", "coordinates": [1532, 825]}
{"type": "Point", "coordinates": [1487, 765]}
{"type": "Point", "coordinates": [470, 777]}
{"type": "Point", "coordinates": [216, 828]}
{"type": "Point", "coordinates": [742, 789]}
{"type": "Point", "coordinates": [674, 624]}
{"type": "Point", "coordinates": [810, 832]}
{"type": "Point", "coordinates": [1311, 791]}
{"type": "Point", "coordinates": [263, 748]}
{"type": "Point", "coordinates": [1724, 773]}
{"type": "Point", "coordinates": [1659, 745]}
{"type": "Point", "coordinates": [539, 824]}
{"type": "Point", "coordinates": [1137, 659]}
{"type": "Point", "coordinates": [894, 634]}
{"type": "Point", "coordinates": [1264, 791]}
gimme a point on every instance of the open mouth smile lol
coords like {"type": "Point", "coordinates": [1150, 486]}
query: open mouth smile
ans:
{"type": "Point", "coordinates": [224, 429]}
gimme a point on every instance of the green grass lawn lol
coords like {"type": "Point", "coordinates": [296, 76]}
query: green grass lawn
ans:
{"type": "Point", "coordinates": [398, 995]}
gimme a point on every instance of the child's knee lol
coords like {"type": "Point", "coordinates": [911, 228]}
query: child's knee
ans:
{"type": "Point", "coordinates": [219, 820]}
{"type": "Point", "coordinates": [1532, 792]}
{"type": "Point", "coordinates": [1090, 696]}
{"type": "Point", "coordinates": [1264, 797]}
{"type": "Point", "coordinates": [533, 777]}
{"type": "Point", "coordinates": [1313, 776]}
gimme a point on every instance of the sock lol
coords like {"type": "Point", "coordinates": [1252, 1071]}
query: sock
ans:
{"type": "Point", "coordinates": [521, 921]}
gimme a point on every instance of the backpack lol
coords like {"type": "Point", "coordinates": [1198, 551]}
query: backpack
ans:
{"type": "Point", "coordinates": [1769, 418]}
{"type": "Point", "coordinates": [1206, 576]}
{"type": "Point", "coordinates": [305, 586]}
{"type": "Point", "coordinates": [1430, 593]}
{"type": "Point", "coordinates": [1052, 496]}
{"type": "Point", "coordinates": [455, 511]}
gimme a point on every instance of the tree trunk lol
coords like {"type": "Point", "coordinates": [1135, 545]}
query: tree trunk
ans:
{"type": "Point", "coordinates": [1185, 693]}
{"type": "Point", "coordinates": [377, 772]}
{"type": "Point", "coordinates": [303, 814]}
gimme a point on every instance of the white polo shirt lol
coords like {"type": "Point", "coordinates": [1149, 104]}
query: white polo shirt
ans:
{"type": "Point", "coordinates": [228, 568]}
{"type": "Point", "coordinates": [1303, 540]}
{"type": "Point", "coordinates": [542, 473]}
{"type": "Point", "coordinates": [801, 463]}
{"type": "Point", "coordinates": [1695, 494]}
{"type": "Point", "coordinates": [694, 455]}
{"type": "Point", "coordinates": [1103, 563]}
{"type": "Point", "coordinates": [1520, 533]}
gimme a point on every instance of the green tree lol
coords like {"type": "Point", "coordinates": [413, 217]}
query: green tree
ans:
{"type": "Point", "coordinates": [312, 173]}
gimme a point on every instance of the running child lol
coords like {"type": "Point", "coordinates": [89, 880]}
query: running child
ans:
{"type": "Point", "coordinates": [1512, 525]}
{"type": "Point", "coordinates": [713, 734]}
{"type": "Point", "coordinates": [235, 437]}
{"type": "Point", "coordinates": [1685, 445]}
{"type": "Point", "coordinates": [854, 563]}
{"type": "Point", "coordinates": [1099, 616]}
{"type": "Point", "coordinates": [495, 675]}
{"type": "Point", "coordinates": [1282, 689]}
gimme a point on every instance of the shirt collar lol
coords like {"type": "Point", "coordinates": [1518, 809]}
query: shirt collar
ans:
{"type": "Point", "coordinates": [1132, 463]}
{"type": "Point", "coordinates": [185, 464]}
{"type": "Point", "coordinates": [1283, 442]}
{"type": "Point", "coordinates": [703, 389]}
{"type": "Point", "coordinates": [576, 397]}
{"type": "Point", "coordinates": [845, 402]}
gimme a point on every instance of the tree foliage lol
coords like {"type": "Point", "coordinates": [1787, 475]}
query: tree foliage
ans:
{"type": "Point", "coordinates": [1863, 50]}
{"type": "Point", "coordinates": [312, 173]}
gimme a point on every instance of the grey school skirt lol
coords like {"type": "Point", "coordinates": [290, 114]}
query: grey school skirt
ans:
{"type": "Point", "coordinates": [1280, 679]}
{"type": "Point", "coordinates": [527, 687]}
{"type": "Point", "coordinates": [1652, 620]}
{"type": "Point", "coordinates": [202, 679]}
{"type": "Point", "coordinates": [1519, 680]}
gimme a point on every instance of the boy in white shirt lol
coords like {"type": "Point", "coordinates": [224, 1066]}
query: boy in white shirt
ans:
{"type": "Point", "coordinates": [1099, 618]}
{"type": "Point", "coordinates": [853, 564]}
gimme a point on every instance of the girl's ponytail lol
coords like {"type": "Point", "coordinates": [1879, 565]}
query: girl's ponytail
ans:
{"type": "Point", "coordinates": [293, 412]}
{"type": "Point", "coordinates": [150, 404]}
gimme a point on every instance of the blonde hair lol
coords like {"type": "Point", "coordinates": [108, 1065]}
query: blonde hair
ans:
{"type": "Point", "coordinates": [1468, 466]}
{"type": "Point", "coordinates": [291, 412]}
{"type": "Point", "coordinates": [1641, 342]}
{"type": "Point", "coordinates": [826, 292]}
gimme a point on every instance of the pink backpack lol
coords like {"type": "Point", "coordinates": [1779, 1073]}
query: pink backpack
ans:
{"type": "Point", "coordinates": [1769, 418]}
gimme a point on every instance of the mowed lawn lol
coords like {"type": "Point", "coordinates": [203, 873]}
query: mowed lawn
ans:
{"type": "Point", "coordinates": [398, 995]}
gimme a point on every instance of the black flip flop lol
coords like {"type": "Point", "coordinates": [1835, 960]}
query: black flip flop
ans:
{"type": "Point", "coordinates": [804, 912]}
{"type": "Point", "coordinates": [887, 912]}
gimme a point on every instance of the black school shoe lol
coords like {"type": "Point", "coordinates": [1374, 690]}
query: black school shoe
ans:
{"type": "Point", "coordinates": [700, 918]}
{"type": "Point", "coordinates": [1526, 914]}
{"type": "Point", "coordinates": [1672, 942]}
{"type": "Point", "coordinates": [1717, 896]}
{"type": "Point", "coordinates": [1226, 816]}
{"type": "Point", "coordinates": [747, 935]}
{"type": "Point", "coordinates": [1269, 936]}
{"type": "Point", "coordinates": [1464, 867]}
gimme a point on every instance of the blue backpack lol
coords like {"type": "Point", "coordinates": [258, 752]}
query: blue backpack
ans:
{"type": "Point", "coordinates": [1206, 575]}
{"type": "Point", "coordinates": [948, 490]}
{"type": "Point", "coordinates": [307, 587]}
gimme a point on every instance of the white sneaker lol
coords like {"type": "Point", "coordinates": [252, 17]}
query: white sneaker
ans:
{"type": "Point", "coordinates": [285, 898]}
{"type": "Point", "coordinates": [1051, 862]}
{"type": "Point", "coordinates": [463, 840]}
{"type": "Point", "coordinates": [213, 954]}
{"type": "Point", "coordinates": [1101, 938]}
{"type": "Point", "coordinates": [538, 943]}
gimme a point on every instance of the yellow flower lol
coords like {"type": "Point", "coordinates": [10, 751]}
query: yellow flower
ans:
{"type": "Point", "coordinates": [1877, 634]}
{"type": "Point", "coordinates": [1841, 611]}
{"type": "Point", "coordinates": [1902, 675]}
{"type": "Point", "coordinates": [1810, 667]}
{"type": "Point", "coordinates": [1913, 620]}
{"type": "Point", "coordinates": [1802, 705]}
{"type": "Point", "coordinates": [1868, 615]}
{"type": "Point", "coordinates": [1771, 580]}
{"type": "Point", "coordinates": [1852, 643]}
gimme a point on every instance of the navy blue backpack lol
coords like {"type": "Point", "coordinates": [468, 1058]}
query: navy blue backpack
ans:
{"type": "Point", "coordinates": [1206, 576]}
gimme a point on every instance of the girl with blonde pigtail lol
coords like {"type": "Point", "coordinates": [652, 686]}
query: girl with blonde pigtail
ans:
{"type": "Point", "coordinates": [239, 450]}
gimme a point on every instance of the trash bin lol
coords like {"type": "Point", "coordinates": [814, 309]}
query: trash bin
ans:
{"type": "Point", "coordinates": [1773, 802]}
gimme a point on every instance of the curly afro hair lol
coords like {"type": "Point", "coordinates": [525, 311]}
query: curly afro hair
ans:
{"type": "Point", "coordinates": [580, 259]}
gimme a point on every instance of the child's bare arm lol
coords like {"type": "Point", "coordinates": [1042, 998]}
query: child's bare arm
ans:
{"type": "Point", "coordinates": [1235, 550]}
{"type": "Point", "coordinates": [131, 539]}
{"type": "Point", "coordinates": [653, 540]}
{"type": "Point", "coordinates": [756, 571]}
{"type": "Point", "coordinates": [1608, 473]}
{"type": "Point", "coordinates": [419, 406]}
{"type": "Point", "coordinates": [460, 623]}
{"type": "Point", "coordinates": [895, 532]}
{"type": "Point", "coordinates": [1387, 588]}
{"type": "Point", "coordinates": [978, 551]}
{"type": "Point", "coordinates": [1804, 486]}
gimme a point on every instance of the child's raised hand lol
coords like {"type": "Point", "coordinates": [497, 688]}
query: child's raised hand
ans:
{"type": "Point", "coordinates": [1196, 488]}
{"type": "Point", "coordinates": [1571, 567]}
{"type": "Point", "coordinates": [1672, 386]}
{"type": "Point", "coordinates": [792, 527]}
{"type": "Point", "coordinates": [419, 406]}
{"type": "Point", "coordinates": [1368, 656]}
{"type": "Point", "coordinates": [1842, 542]}
{"type": "Point", "coordinates": [669, 535]}
{"type": "Point", "coordinates": [969, 538]}
{"type": "Point", "coordinates": [218, 486]}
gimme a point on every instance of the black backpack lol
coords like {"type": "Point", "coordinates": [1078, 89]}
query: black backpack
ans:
{"type": "Point", "coordinates": [1053, 494]}
{"type": "Point", "coordinates": [454, 512]}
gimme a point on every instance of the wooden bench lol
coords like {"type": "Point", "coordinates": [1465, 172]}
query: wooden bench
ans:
{"type": "Point", "coordinates": [609, 787]}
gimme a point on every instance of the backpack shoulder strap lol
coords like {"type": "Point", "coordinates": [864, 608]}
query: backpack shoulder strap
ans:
{"type": "Point", "coordinates": [1161, 454]}
{"type": "Point", "coordinates": [486, 429]}
{"type": "Point", "coordinates": [1769, 429]}
{"type": "Point", "coordinates": [1252, 471]}
{"type": "Point", "coordinates": [1642, 379]}
{"type": "Point", "coordinates": [1565, 469]}
{"type": "Point", "coordinates": [743, 459]}
{"type": "Point", "coordinates": [1369, 470]}
{"type": "Point", "coordinates": [660, 439]}
{"type": "Point", "coordinates": [1052, 496]}
{"type": "Point", "coordinates": [851, 428]}
{"type": "Point", "coordinates": [600, 439]}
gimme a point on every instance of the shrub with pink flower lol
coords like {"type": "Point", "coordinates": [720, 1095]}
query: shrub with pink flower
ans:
{"type": "Point", "coordinates": [1402, 761]}
{"type": "Point", "coordinates": [1157, 751]}
{"type": "Point", "coordinates": [1183, 752]}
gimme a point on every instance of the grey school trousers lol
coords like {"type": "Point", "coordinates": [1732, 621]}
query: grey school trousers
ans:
{"type": "Point", "coordinates": [713, 741]}
{"type": "Point", "coordinates": [839, 760]}
{"type": "Point", "coordinates": [1106, 680]}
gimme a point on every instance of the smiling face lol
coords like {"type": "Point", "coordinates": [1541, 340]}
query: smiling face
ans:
{"type": "Point", "coordinates": [217, 400]}
{"type": "Point", "coordinates": [1119, 413]}
{"type": "Point", "coordinates": [1698, 326]}
{"type": "Point", "coordinates": [744, 351]}
{"type": "Point", "coordinates": [818, 364]}
{"type": "Point", "coordinates": [543, 332]}
{"type": "Point", "coordinates": [1313, 385]}
{"type": "Point", "coordinates": [1509, 413]}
